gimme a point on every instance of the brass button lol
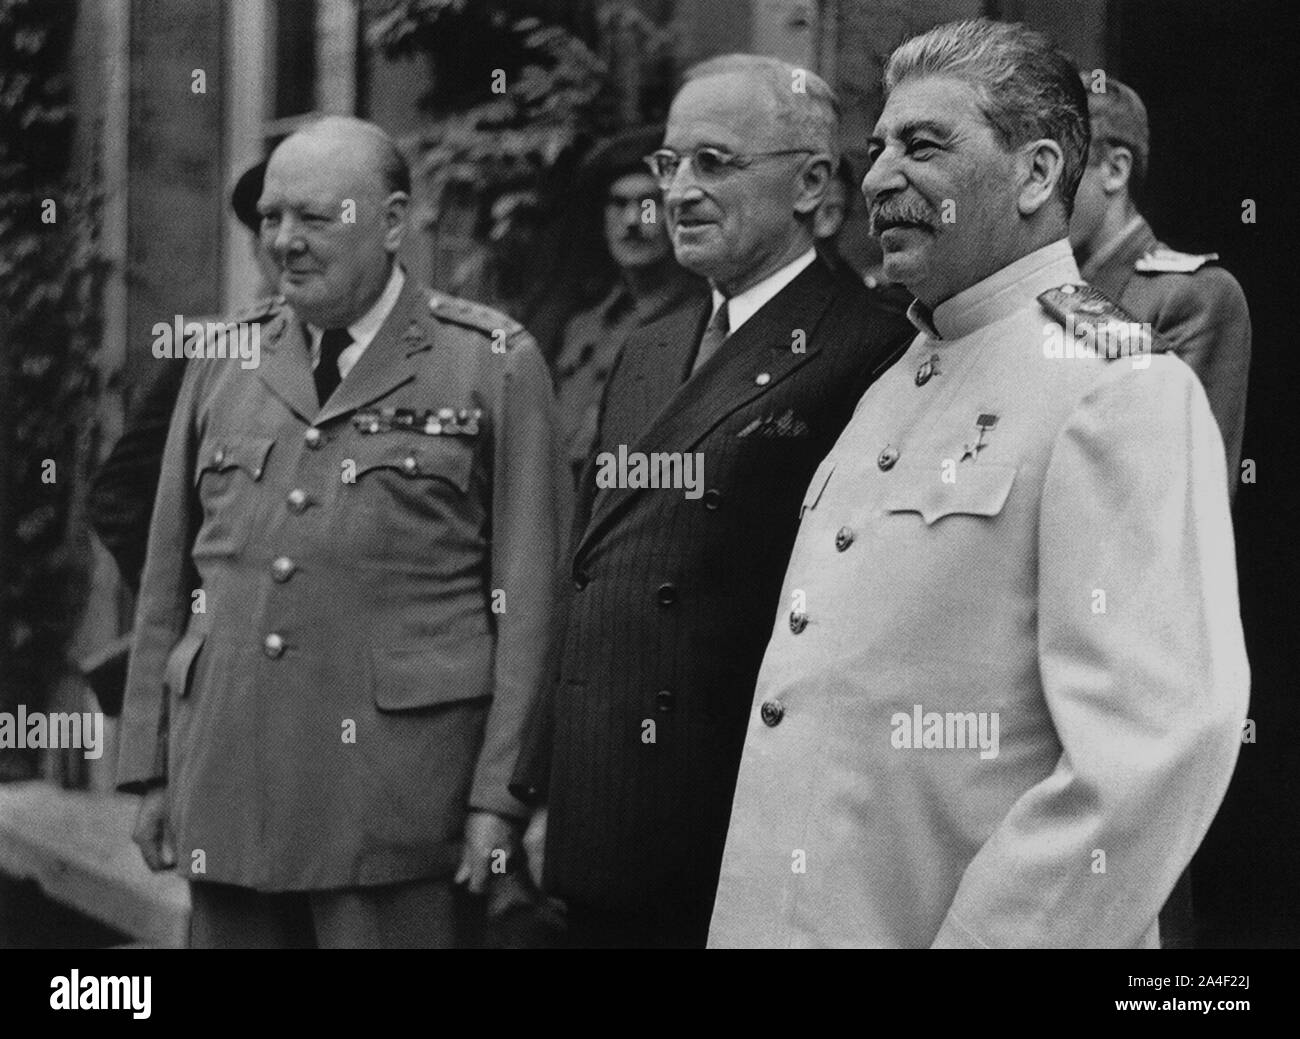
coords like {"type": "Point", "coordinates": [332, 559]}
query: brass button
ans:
{"type": "Point", "coordinates": [218, 456]}
{"type": "Point", "coordinates": [712, 498]}
{"type": "Point", "coordinates": [843, 538]}
{"type": "Point", "coordinates": [273, 646]}
{"type": "Point", "coordinates": [664, 701]}
{"type": "Point", "coordinates": [887, 458]}
{"type": "Point", "coordinates": [314, 437]}
{"type": "Point", "coordinates": [581, 580]}
{"type": "Point", "coordinates": [297, 500]}
{"type": "Point", "coordinates": [410, 465]}
{"type": "Point", "coordinates": [772, 712]}
{"type": "Point", "coordinates": [282, 569]}
{"type": "Point", "coordinates": [762, 379]}
{"type": "Point", "coordinates": [667, 594]}
{"type": "Point", "coordinates": [798, 621]}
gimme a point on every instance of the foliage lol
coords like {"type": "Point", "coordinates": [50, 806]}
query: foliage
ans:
{"type": "Point", "coordinates": [558, 94]}
{"type": "Point", "coordinates": [50, 275]}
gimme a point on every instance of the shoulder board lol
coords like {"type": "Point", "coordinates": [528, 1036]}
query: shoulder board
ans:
{"type": "Point", "coordinates": [1113, 331]}
{"type": "Point", "coordinates": [1169, 261]}
{"type": "Point", "coordinates": [472, 315]}
{"type": "Point", "coordinates": [260, 310]}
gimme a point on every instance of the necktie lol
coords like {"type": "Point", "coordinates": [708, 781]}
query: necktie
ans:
{"type": "Point", "coordinates": [714, 336]}
{"type": "Point", "coordinates": [332, 344]}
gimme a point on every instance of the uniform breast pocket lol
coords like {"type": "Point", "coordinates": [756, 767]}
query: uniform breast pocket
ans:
{"type": "Point", "coordinates": [975, 490]}
{"type": "Point", "coordinates": [815, 488]}
{"type": "Point", "coordinates": [226, 474]}
{"type": "Point", "coordinates": [405, 491]}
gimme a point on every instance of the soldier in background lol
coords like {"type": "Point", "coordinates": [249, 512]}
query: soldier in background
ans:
{"type": "Point", "coordinates": [647, 284]}
{"type": "Point", "coordinates": [1192, 303]}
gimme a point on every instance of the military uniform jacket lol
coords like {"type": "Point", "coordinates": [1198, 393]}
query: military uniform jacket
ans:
{"type": "Point", "coordinates": [997, 535]}
{"type": "Point", "coordinates": [1195, 306]}
{"type": "Point", "coordinates": [377, 582]}
{"type": "Point", "coordinates": [672, 597]}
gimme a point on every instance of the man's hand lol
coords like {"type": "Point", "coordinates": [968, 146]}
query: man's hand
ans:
{"type": "Point", "coordinates": [153, 832]}
{"type": "Point", "coordinates": [535, 845]}
{"type": "Point", "coordinates": [488, 839]}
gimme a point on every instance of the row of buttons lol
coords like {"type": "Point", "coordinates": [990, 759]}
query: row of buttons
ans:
{"type": "Point", "coordinates": [283, 567]}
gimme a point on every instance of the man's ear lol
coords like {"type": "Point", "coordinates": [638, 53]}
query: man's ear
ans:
{"type": "Point", "coordinates": [396, 206]}
{"type": "Point", "coordinates": [1040, 165]}
{"type": "Point", "coordinates": [814, 178]}
{"type": "Point", "coordinates": [1116, 168]}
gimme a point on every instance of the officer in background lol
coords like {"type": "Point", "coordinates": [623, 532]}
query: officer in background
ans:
{"type": "Point", "coordinates": [648, 283]}
{"type": "Point", "coordinates": [1191, 302]}
{"type": "Point", "coordinates": [349, 585]}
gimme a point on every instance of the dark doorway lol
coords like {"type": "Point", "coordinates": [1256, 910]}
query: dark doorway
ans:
{"type": "Point", "coordinates": [1214, 78]}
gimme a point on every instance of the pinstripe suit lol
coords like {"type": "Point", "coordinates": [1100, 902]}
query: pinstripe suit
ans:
{"type": "Point", "coordinates": [672, 598]}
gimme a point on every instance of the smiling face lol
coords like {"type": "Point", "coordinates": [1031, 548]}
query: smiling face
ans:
{"type": "Point", "coordinates": [634, 242]}
{"type": "Point", "coordinates": [942, 191]}
{"type": "Point", "coordinates": [331, 267]}
{"type": "Point", "coordinates": [737, 227]}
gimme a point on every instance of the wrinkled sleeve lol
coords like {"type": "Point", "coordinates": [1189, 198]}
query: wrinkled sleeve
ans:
{"type": "Point", "coordinates": [530, 512]}
{"type": "Point", "coordinates": [163, 608]}
{"type": "Point", "coordinates": [1143, 668]}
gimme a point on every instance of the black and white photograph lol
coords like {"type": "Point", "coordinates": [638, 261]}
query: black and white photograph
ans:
{"type": "Point", "coordinates": [648, 475]}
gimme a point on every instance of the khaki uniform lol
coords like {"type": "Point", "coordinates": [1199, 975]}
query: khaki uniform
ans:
{"type": "Point", "coordinates": [377, 578]}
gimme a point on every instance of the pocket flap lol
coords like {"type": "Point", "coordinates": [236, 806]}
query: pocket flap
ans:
{"type": "Point", "coordinates": [815, 487]}
{"type": "Point", "coordinates": [219, 453]}
{"type": "Point", "coordinates": [443, 460]}
{"type": "Point", "coordinates": [180, 662]}
{"type": "Point", "coordinates": [978, 490]}
{"type": "Point", "coordinates": [445, 671]}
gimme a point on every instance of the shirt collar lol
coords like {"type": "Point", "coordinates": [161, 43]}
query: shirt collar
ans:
{"type": "Point", "coordinates": [744, 305]}
{"type": "Point", "coordinates": [368, 324]}
{"type": "Point", "coordinates": [1114, 245]}
{"type": "Point", "coordinates": [1002, 293]}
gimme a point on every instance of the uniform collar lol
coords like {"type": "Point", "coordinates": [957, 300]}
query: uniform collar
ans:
{"type": "Point", "coordinates": [1001, 294]}
{"type": "Point", "coordinates": [1113, 246]}
{"type": "Point", "coordinates": [364, 328]}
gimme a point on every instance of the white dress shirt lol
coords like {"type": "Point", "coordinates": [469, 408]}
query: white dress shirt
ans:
{"type": "Point", "coordinates": [744, 305]}
{"type": "Point", "coordinates": [362, 330]}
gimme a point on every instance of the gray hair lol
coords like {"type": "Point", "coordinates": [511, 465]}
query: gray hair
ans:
{"type": "Point", "coordinates": [1027, 88]}
{"type": "Point", "coordinates": [810, 116]}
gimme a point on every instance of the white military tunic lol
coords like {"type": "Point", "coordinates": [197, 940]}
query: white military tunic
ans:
{"type": "Point", "coordinates": [1037, 543]}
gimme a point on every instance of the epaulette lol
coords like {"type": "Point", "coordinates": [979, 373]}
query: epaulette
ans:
{"type": "Point", "coordinates": [464, 312]}
{"type": "Point", "coordinates": [259, 310]}
{"type": "Point", "coordinates": [1170, 261]}
{"type": "Point", "coordinates": [1105, 326]}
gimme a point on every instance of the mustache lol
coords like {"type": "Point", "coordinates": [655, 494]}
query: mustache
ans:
{"type": "Point", "coordinates": [896, 212]}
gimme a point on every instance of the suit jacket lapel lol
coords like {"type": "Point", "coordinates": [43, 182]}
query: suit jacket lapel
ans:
{"type": "Point", "coordinates": [380, 368]}
{"type": "Point", "coordinates": [757, 357]}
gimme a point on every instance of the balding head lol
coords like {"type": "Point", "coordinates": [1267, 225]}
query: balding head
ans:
{"type": "Point", "coordinates": [334, 215]}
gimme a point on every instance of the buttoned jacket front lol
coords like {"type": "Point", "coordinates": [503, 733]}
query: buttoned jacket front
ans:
{"type": "Point", "coordinates": [345, 609]}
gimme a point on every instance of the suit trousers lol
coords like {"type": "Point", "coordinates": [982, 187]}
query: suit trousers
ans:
{"type": "Point", "coordinates": [422, 914]}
